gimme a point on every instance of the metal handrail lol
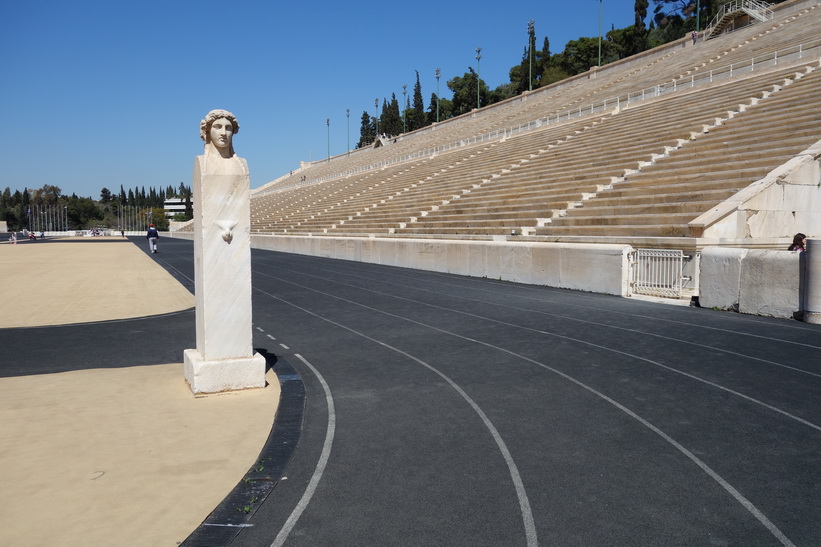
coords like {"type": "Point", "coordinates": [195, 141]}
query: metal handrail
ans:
{"type": "Point", "coordinates": [759, 10]}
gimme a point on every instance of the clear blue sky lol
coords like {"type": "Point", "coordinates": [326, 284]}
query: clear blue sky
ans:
{"type": "Point", "coordinates": [102, 94]}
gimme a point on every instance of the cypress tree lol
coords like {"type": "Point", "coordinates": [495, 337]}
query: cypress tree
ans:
{"type": "Point", "coordinates": [390, 123]}
{"type": "Point", "coordinates": [417, 114]}
{"type": "Point", "coordinates": [367, 130]}
{"type": "Point", "coordinates": [638, 42]}
{"type": "Point", "coordinates": [383, 119]}
{"type": "Point", "coordinates": [395, 116]}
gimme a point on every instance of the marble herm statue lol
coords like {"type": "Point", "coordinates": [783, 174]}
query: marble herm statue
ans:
{"type": "Point", "coordinates": [224, 358]}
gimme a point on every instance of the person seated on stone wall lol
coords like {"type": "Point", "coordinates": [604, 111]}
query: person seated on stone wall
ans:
{"type": "Point", "coordinates": [798, 243]}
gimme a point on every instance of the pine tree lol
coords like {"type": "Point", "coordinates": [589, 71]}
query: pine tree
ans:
{"type": "Point", "coordinates": [464, 92]}
{"type": "Point", "coordinates": [366, 130]}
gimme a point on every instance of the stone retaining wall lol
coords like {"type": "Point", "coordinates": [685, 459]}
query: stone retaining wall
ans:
{"type": "Point", "coordinates": [585, 267]}
{"type": "Point", "coordinates": [750, 281]}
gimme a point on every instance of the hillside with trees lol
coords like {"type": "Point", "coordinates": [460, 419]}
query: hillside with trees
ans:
{"type": "Point", "coordinates": [671, 20]}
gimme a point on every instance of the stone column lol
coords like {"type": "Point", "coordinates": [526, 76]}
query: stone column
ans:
{"type": "Point", "coordinates": [812, 288]}
{"type": "Point", "coordinates": [224, 358]}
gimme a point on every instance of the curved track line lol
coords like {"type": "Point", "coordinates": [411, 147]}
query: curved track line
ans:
{"type": "Point", "coordinates": [772, 528]}
{"type": "Point", "coordinates": [563, 337]}
{"type": "Point", "coordinates": [570, 318]}
{"type": "Point", "coordinates": [751, 319]}
{"type": "Point", "coordinates": [320, 465]}
{"type": "Point", "coordinates": [524, 503]}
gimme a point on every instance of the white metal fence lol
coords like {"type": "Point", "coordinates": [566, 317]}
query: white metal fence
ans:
{"type": "Point", "coordinates": [659, 272]}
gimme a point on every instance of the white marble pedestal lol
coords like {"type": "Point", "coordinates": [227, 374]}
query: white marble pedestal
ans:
{"type": "Point", "coordinates": [224, 358]}
{"type": "Point", "coordinates": [224, 374]}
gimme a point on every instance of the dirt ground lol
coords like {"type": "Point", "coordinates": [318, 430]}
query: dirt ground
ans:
{"type": "Point", "coordinates": [124, 456]}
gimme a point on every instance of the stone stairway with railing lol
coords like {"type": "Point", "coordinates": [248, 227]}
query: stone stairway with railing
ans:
{"type": "Point", "coordinates": [730, 11]}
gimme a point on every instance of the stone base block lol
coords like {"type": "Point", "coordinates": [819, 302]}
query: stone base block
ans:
{"type": "Point", "coordinates": [812, 317]}
{"type": "Point", "coordinates": [223, 375]}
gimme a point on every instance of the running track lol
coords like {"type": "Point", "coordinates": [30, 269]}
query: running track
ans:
{"type": "Point", "coordinates": [445, 410]}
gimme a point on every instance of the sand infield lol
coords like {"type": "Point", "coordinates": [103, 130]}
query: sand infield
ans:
{"type": "Point", "coordinates": [125, 456]}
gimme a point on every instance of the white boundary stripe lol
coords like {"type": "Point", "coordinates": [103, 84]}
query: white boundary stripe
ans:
{"type": "Point", "coordinates": [791, 325]}
{"type": "Point", "coordinates": [762, 518]}
{"type": "Point", "coordinates": [320, 466]}
{"type": "Point", "coordinates": [605, 325]}
{"type": "Point", "coordinates": [577, 340]}
{"type": "Point", "coordinates": [524, 503]}
{"type": "Point", "coordinates": [715, 476]}
{"type": "Point", "coordinates": [521, 494]}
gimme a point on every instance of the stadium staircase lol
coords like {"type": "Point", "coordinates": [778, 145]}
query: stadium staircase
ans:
{"type": "Point", "coordinates": [731, 11]}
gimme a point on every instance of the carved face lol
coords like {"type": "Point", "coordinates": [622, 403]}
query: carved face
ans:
{"type": "Point", "coordinates": [221, 133]}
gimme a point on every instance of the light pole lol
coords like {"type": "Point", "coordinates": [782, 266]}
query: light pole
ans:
{"type": "Point", "coordinates": [348, 115]}
{"type": "Point", "coordinates": [328, 123]}
{"type": "Point", "coordinates": [404, 108]}
{"type": "Point", "coordinates": [438, 74]}
{"type": "Point", "coordinates": [376, 117]}
{"type": "Point", "coordinates": [600, 9]}
{"type": "Point", "coordinates": [530, 33]}
{"type": "Point", "coordinates": [478, 74]}
{"type": "Point", "coordinates": [698, 15]}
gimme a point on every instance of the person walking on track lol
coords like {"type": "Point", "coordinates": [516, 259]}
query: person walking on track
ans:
{"type": "Point", "coordinates": [152, 236]}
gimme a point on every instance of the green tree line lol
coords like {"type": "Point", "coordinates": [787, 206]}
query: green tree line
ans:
{"type": "Point", "coordinates": [671, 20]}
{"type": "Point", "coordinates": [18, 208]}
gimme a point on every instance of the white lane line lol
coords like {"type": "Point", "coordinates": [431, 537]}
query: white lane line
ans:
{"type": "Point", "coordinates": [260, 330]}
{"type": "Point", "coordinates": [271, 337]}
{"type": "Point", "coordinates": [715, 476]}
{"type": "Point", "coordinates": [321, 464]}
{"type": "Point", "coordinates": [576, 340]}
{"type": "Point", "coordinates": [521, 494]}
{"type": "Point", "coordinates": [739, 497]}
{"type": "Point", "coordinates": [284, 346]}
{"type": "Point", "coordinates": [791, 325]}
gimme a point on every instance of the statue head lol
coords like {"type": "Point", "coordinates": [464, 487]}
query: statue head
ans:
{"type": "Point", "coordinates": [221, 134]}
